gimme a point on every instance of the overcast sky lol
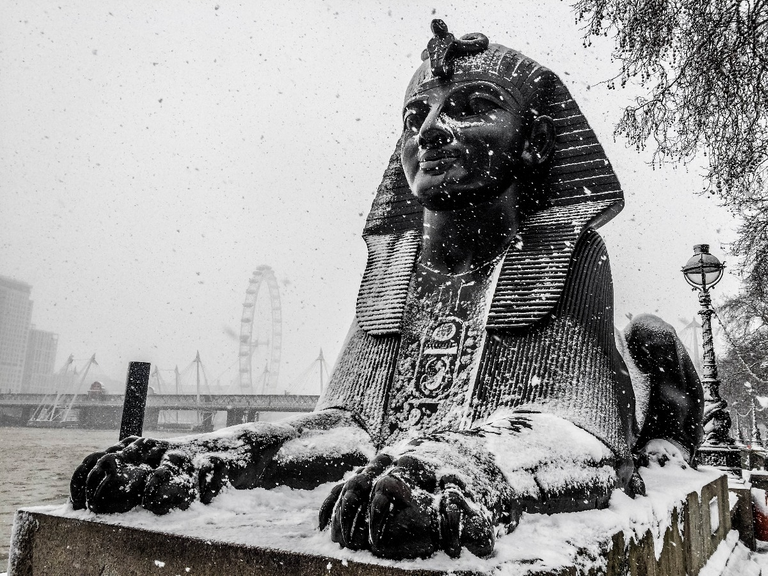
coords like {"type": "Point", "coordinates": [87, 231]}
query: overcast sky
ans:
{"type": "Point", "coordinates": [153, 154]}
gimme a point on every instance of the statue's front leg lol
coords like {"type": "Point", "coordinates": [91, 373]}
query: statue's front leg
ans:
{"type": "Point", "coordinates": [451, 490]}
{"type": "Point", "coordinates": [162, 475]}
{"type": "Point", "coordinates": [435, 493]}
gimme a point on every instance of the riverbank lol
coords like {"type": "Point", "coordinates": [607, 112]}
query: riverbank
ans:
{"type": "Point", "coordinates": [36, 465]}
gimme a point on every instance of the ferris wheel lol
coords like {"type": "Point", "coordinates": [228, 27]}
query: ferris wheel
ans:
{"type": "Point", "coordinates": [266, 339]}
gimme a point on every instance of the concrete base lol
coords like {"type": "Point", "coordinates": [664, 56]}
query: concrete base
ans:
{"type": "Point", "coordinates": [50, 544]}
{"type": "Point", "coordinates": [54, 546]}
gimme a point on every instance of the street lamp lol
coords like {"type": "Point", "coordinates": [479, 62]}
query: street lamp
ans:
{"type": "Point", "coordinates": [703, 271]}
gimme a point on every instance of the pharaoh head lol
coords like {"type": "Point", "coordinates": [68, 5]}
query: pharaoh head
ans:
{"type": "Point", "coordinates": [474, 125]}
{"type": "Point", "coordinates": [550, 150]}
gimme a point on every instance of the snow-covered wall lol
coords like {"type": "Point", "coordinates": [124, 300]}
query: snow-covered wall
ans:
{"type": "Point", "coordinates": [672, 530]}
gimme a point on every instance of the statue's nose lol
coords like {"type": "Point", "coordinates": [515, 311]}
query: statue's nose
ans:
{"type": "Point", "coordinates": [434, 132]}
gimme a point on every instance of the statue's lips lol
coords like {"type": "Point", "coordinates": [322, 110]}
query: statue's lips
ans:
{"type": "Point", "coordinates": [436, 161]}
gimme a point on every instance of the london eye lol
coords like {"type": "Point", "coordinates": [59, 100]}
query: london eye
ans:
{"type": "Point", "coordinates": [257, 334]}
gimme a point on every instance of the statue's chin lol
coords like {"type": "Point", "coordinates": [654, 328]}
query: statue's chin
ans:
{"type": "Point", "coordinates": [454, 196]}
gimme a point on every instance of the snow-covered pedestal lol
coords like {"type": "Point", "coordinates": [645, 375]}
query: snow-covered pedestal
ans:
{"type": "Point", "coordinates": [673, 530]}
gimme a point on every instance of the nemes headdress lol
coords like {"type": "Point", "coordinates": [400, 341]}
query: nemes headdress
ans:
{"type": "Point", "coordinates": [579, 190]}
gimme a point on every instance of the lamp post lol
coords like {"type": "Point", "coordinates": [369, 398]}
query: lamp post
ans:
{"type": "Point", "coordinates": [702, 272]}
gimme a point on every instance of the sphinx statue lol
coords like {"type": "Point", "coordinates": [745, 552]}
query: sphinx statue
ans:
{"type": "Point", "coordinates": [482, 376]}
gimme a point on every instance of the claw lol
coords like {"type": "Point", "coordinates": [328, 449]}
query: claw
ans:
{"type": "Point", "coordinates": [172, 484]}
{"type": "Point", "coordinates": [451, 506]}
{"type": "Point", "coordinates": [77, 492]}
{"type": "Point", "coordinates": [347, 504]}
{"type": "Point", "coordinates": [167, 489]}
{"type": "Point", "coordinates": [389, 494]}
{"type": "Point", "coordinates": [477, 534]}
{"type": "Point", "coordinates": [350, 527]}
{"type": "Point", "coordinates": [113, 486]}
{"type": "Point", "coordinates": [351, 508]}
{"type": "Point", "coordinates": [378, 514]}
{"type": "Point", "coordinates": [326, 510]}
{"type": "Point", "coordinates": [112, 480]}
{"type": "Point", "coordinates": [402, 522]}
{"type": "Point", "coordinates": [211, 478]}
{"type": "Point", "coordinates": [462, 525]}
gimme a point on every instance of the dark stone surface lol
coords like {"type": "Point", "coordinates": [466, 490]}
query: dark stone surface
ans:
{"type": "Point", "coordinates": [137, 381]}
{"type": "Point", "coordinates": [676, 402]}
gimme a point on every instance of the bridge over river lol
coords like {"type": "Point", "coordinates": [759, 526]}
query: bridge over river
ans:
{"type": "Point", "coordinates": [105, 410]}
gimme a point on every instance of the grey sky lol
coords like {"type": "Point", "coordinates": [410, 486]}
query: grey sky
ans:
{"type": "Point", "coordinates": [153, 154]}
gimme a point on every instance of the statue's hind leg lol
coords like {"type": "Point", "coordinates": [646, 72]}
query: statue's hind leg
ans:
{"type": "Point", "coordinates": [667, 388]}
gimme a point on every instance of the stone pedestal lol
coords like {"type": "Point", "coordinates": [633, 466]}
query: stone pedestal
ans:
{"type": "Point", "coordinates": [742, 514]}
{"type": "Point", "coordinates": [757, 459]}
{"type": "Point", "coordinates": [759, 479]}
{"type": "Point", "coordinates": [52, 545]}
{"type": "Point", "coordinates": [632, 537]}
{"type": "Point", "coordinates": [727, 458]}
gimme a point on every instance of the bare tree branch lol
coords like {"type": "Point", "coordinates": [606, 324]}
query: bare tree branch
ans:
{"type": "Point", "coordinates": [704, 67]}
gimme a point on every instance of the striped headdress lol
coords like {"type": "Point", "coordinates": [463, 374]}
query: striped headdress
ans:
{"type": "Point", "coordinates": [579, 190]}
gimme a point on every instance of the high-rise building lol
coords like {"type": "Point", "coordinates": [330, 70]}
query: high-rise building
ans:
{"type": "Point", "coordinates": [15, 321]}
{"type": "Point", "coordinates": [39, 364]}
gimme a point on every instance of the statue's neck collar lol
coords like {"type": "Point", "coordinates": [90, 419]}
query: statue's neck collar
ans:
{"type": "Point", "coordinates": [482, 268]}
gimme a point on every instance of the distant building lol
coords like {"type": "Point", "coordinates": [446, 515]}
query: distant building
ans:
{"type": "Point", "coordinates": [39, 364]}
{"type": "Point", "coordinates": [15, 322]}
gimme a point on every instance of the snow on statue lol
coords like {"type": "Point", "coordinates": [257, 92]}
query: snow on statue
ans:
{"type": "Point", "coordinates": [482, 377]}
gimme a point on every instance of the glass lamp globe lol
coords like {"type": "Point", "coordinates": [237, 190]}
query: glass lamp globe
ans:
{"type": "Point", "coordinates": [703, 270]}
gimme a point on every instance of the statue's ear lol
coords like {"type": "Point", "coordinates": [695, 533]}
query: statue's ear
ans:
{"type": "Point", "coordinates": [540, 144]}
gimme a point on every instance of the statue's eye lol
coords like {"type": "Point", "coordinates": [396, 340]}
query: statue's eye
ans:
{"type": "Point", "coordinates": [480, 104]}
{"type": "Point", "coordinates": [412, 120]}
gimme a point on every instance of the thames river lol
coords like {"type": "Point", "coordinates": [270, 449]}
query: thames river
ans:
{"type": "Point", "coordinates": [35, 468]}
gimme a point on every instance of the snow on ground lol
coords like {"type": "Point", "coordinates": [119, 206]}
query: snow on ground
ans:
{"type": "Point", "coordinates": [732, 558]}
{"type": "Point", "coordinates": [287, 519]}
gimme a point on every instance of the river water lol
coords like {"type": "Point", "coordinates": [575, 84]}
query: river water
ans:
{"type": "Point", "coordinates": [36, 465]}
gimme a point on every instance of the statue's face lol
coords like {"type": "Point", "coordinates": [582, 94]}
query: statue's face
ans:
{"type": "Point", "coordinates": [462, 144]}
